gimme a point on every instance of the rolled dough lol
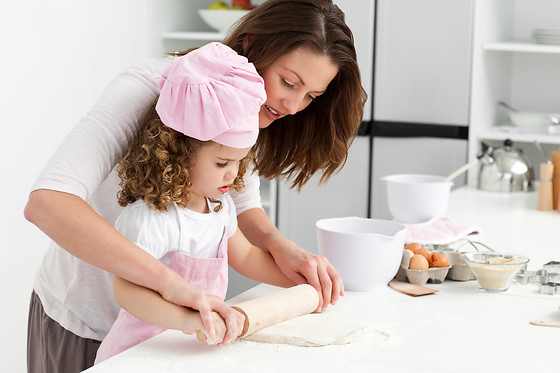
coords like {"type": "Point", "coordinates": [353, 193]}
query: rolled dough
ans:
{"type": "Point", "coordinates": [314, 330]}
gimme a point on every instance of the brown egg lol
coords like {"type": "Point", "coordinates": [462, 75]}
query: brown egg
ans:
{"type": "Point", "coordinates": [425, 252]}
{"type": "Point", "coordinates": [418, 261]}
{"type": "Point", "coordinates": [413, 246]}
{"type": "Point", "coordinates": [438, 260]}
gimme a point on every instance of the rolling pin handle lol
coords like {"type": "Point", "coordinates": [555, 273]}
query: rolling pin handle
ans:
{"type": "Point", "coordinates": [201, 336]}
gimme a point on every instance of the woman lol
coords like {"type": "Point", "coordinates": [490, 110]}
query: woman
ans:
{"type": "Point", "coordinates": [304, 52]}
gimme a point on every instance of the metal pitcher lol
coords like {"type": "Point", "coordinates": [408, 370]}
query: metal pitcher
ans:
{"type": "Point", "coordinates": [504, 169]}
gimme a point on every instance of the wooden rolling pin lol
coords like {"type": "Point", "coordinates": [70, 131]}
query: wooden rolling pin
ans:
{"type": "Point", "coordinates": [274, 308]}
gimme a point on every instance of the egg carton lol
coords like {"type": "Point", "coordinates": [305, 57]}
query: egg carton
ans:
{"type": "Point", "coordinates": [422, 276]}
{"type": "Point", "coordinates": [435, 275]}
{"type": "Point", "coordinates": [459, 271]}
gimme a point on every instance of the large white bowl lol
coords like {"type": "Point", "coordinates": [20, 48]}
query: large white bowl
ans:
{"type": "Point", "coordinates": [417, 198]}
{"type": "Point", "coordinates": [221, 19]}
{"type": "Point", "coordinates": [366, 252]}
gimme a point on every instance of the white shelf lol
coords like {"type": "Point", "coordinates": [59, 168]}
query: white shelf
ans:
{"type": "Point", "coordinates": [518, 134]}
{"type": "Point", "coordinates": [193, 35]}
{"type": "Point", "coordinates": [512, 46]}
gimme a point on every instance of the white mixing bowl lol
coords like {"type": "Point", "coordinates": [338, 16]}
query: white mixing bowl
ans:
{"type": "Point", "coordinates": [417, 198]}
{"type": "Point", "coordinates": [366, 252]}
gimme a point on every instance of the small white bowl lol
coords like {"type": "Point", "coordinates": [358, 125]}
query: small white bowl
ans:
{"type": "Point", "coordinates": [366, 252]}
{"type": "Point", "coordinates": [221, 19]}
{"type": "Point", "coordinates": [417, 198]}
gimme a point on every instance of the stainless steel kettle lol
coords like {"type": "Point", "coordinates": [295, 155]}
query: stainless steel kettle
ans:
{"type": "Point", "coordinates": [504, 169]}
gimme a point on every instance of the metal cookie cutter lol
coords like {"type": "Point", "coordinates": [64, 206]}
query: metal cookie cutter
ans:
{"type": "Point", "coordinates": [525, 277]}
{"type": "Point", "coordinates": [550, 288]}
{"type": "Point", "coordinates": [547, 278]}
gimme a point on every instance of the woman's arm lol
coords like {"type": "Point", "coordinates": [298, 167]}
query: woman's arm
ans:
{"type": "Point", "coordinates": [149, 306]}
{"type": "Point", "coordinates": [297, 264]}
{"type": "Point", "coordinates": [254, 263]}
{"type": "Point", "coordinates": [74, 225]}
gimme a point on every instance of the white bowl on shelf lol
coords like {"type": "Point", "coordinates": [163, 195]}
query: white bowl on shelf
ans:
{"type": "Point", "coordinates": [221, 19]}
{"type": "Point", "coordinates": [529, 119]}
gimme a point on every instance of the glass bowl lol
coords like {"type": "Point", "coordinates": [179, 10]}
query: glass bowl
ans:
{"type": "Point", "coordinates": [494, 270]}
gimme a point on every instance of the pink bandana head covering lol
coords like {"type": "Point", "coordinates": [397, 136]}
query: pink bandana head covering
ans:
{"type": "Point", "coordinates": [212, 93]}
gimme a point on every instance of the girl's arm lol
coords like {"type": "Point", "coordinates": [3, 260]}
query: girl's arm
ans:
{"type": "Point", "coordinates": [74, 225]}
{"type": "Point", "coordinates": [296, 263]}
{"type": "Point", "coordinates": [149, 306]}
{"type": "Point", "coordinates": [254, 263]}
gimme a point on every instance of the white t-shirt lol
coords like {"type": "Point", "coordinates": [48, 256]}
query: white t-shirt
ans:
{"type": "Point", "coordinates": [177, 229]}
{"type": "Point", "coordinates": [75, 294]}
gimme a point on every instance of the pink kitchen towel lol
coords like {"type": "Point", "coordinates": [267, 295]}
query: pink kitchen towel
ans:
{"type": "Point", "coordinates": [442, 231]}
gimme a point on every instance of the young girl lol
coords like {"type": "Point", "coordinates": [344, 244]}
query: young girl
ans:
{"type": "Point", "coordinates": [190, 150]}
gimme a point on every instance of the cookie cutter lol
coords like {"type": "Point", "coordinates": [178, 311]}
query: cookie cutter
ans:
{"type": "Point", "coordinates": [547, 278]}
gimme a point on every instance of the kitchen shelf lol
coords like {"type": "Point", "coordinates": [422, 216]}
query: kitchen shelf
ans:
{"type": "Point", "coordinates": [518, 134]}
{"type": "Point", "coordinates": [193, 35]}
{"type": "Point", "coordinates": [523, 47]}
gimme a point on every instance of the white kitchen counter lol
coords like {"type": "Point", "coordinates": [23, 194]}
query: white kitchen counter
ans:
{"type": "Point", "coordinates": [458, 329]}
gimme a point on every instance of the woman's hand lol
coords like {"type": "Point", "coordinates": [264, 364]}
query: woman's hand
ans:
{"type": "Point", "coordinates": [303, 267]}
{"type": "Point", "coordinates": [298, 265]}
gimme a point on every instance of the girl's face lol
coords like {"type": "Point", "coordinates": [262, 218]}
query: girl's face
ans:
{"type": "Point", "coordinates": [214, 171]}
{"type": "Point", "coordinates": [292, 82]}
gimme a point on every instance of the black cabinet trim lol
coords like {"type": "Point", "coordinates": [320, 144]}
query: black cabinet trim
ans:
{"type": "Point", "coordinates": [410, 129]}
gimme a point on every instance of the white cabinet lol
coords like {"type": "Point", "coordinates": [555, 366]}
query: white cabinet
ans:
{"type": "Point", "coordinates": [345, 194]}
{"type": "Point", "coordinates": [360, 16]}
{"type": "Point", "coordinates": [509, 66]}
{"type": "Point", "coordinates": [269, 197]}
{"type": "Point", "coordinates": [423, 61]}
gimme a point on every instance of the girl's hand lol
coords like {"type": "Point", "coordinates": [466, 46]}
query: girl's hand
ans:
{"type": "Point", "coordinates": [230, 323]}
{"type": "Point", "coordinates": [219, 327]}
{"type": "Point", "coordinates": [303, 267]}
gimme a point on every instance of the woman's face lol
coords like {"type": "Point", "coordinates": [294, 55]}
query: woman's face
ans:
{"type": "Point", "coordinates": [292, 82]}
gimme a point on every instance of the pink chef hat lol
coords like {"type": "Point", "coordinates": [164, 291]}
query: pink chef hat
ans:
{"type": "Point", "coordinates": [212, 93]}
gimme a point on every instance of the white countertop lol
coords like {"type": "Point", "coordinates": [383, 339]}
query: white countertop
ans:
{"type": "Point", "coordinates": [458, 329]}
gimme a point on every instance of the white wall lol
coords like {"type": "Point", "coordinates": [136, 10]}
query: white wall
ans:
{"type": "Point", "coordinates": [55, 58]}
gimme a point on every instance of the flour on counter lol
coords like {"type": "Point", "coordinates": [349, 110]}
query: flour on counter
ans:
{"type": "Point", "coordinates": [315, 330]}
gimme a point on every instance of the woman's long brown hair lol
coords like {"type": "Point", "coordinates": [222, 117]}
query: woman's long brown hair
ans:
{"type": "Point", "coordinates": [318, 137]}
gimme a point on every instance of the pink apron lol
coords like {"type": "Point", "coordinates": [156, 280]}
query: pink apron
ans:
{"type": "Point", "coordinates": [208, 274]}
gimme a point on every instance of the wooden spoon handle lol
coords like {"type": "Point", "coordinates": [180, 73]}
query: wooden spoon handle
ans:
{"type": "Point", "coordinates": [460, 170]}
{"type": "Point", "coordinates": [410, 289]}
{"type": "Point", "coordinates": [554, 324]}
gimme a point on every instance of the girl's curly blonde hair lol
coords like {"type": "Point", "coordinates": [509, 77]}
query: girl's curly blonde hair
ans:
{"type": "Point", "coordinates": [155, 167]}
